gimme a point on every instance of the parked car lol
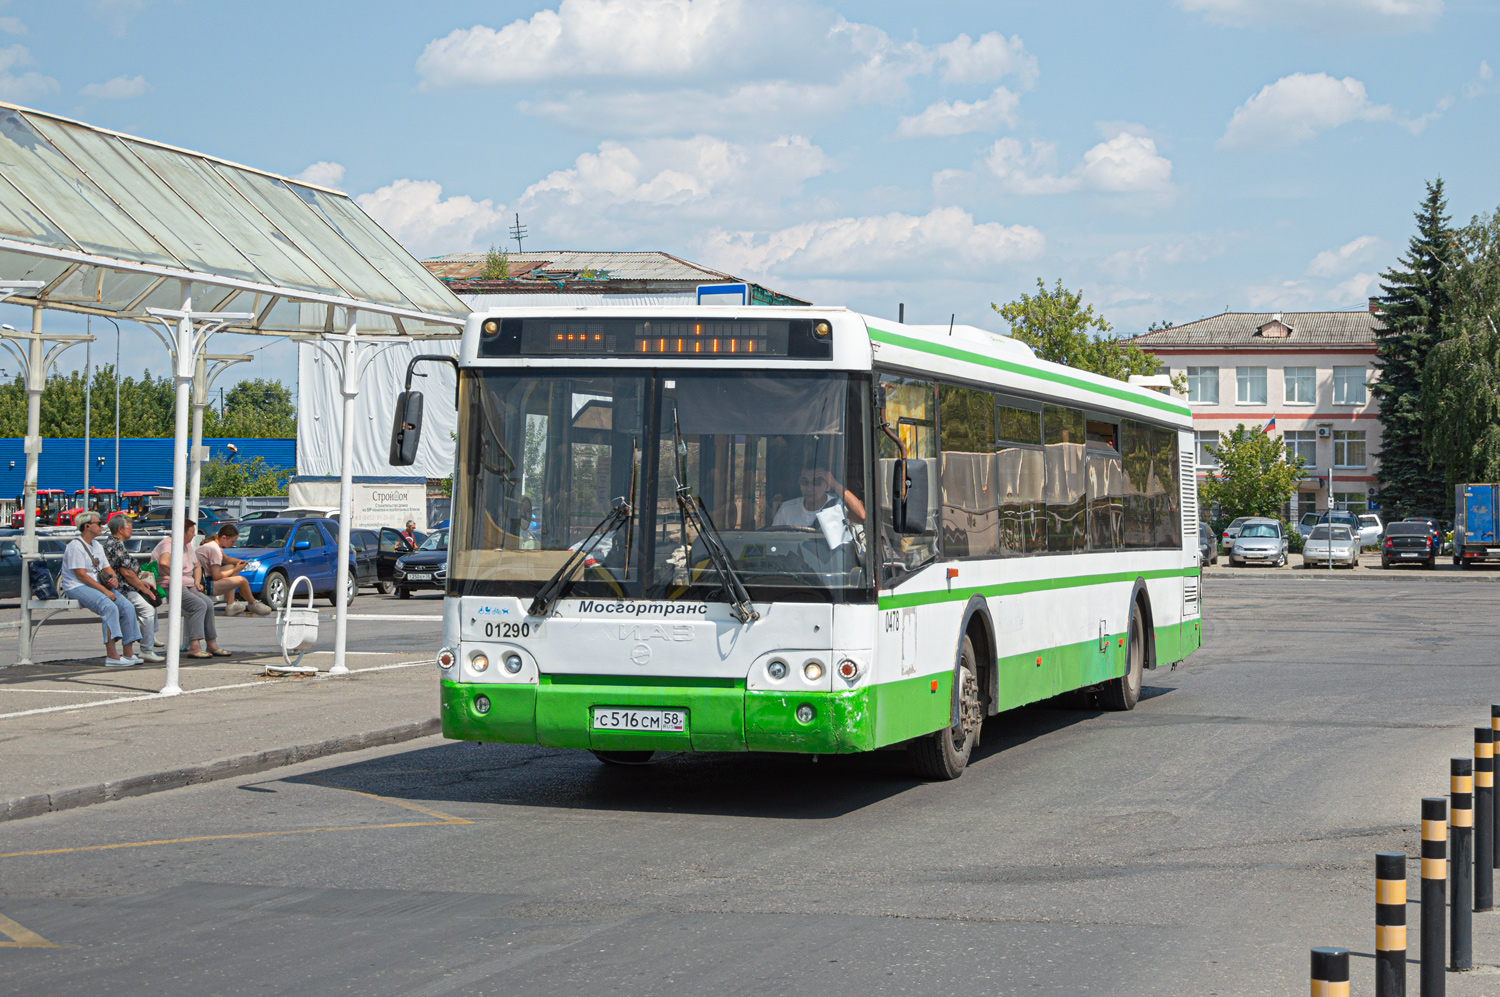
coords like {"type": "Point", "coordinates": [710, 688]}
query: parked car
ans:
{"type": "Point", "coordinates": [1260, 541]}
{"type": "Point", "coordinates": [366, 547]}
{"type": "Point", "coordinates": [1323, 550]}
{"type": "Point", "coordinates": [10, 563]}
{"type": "Point", "coordinates": [1208, 546]}
{"type": "Point", "coordinates": [427, 568]}
{"type": "Point", "coordinates": [1341, 518]}
{"type": "Point", "coordinates": [1307, 522]}
{"type": "Point", "coordinates": [1371, 529]}
{"type": "Point", "coordinates": [159, 520]}
{"type": "Point", "coordinates": [1231, 531]}
{"type": "Point", "coordinates": [279, 551]}
{"type": "Point", "coordinates": [1409, 543]}
{"type": "Point", "coordinates": [392, 547]}
{"type": "Point", "coordinates": [264, 514]}
{"type": "Point", "coordinates": [1433, 527]}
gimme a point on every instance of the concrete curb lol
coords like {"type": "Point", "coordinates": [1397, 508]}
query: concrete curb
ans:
{"type": "Point", "coordinates": [223, 768]}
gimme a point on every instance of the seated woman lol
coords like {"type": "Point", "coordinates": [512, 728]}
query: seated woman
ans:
{"type": "Point", "coordinates": [87, 577]}
{"type": "Point", "coordinates": [197, 608]}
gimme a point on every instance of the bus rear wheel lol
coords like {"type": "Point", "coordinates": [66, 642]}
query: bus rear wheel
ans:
{"type": "Point", "coordinates": [1124, 692]}
{"type": "Point", "coordinates": [944, 755]}
{"type": "Point", "coordinates": [624, 757]}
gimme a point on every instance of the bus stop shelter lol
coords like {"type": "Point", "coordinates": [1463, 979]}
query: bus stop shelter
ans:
{"type": "Point", "coordinates": [100, 223]}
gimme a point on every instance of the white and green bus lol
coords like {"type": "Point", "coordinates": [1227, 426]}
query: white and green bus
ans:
{"type": "Point", "coordinates": [797, 529]}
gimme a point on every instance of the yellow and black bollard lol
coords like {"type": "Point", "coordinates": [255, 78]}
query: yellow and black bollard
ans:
{"type": "Point", "coordinates": [1330, 973]}
{"type": "Point", "coordinates": [1495, 732]}
{"type": "Point", "coordinates": [1462, 864]}
{"type": "Point", "coordinates": [1390, 924]}
{"type": "Point", "coordinates": [1484, 818]}
{"type": "Point", "coordinates": [1434, 893]}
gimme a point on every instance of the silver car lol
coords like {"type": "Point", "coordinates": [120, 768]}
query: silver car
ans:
{"type": "Point", "coordinates": [1322, 551]}
{"type": "Point", "coordinates": [1260, 541]}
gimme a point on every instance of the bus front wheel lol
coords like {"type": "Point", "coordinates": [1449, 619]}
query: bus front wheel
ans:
{"type": "Point", "coordinates": [1124, 692]}
{"type": "Point", "coordinates": [943, 755]}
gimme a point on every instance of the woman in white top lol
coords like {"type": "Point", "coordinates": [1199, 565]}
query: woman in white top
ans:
{"type": "Point", "coordinates": [87, 577]}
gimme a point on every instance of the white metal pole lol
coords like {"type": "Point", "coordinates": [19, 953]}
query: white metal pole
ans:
{"type": "Point", "coordinates": [88, 398]}
{"type": "Point", "coordinates": [118, 503]}
{"type": "Point", "coordinates": [183, 373]}
{"type": "Point", "coordinates": [350, 385]}
{"type": "Point", "coordinates": [195, 454]}
{"type": "Point", "coordinates": [36, 374]}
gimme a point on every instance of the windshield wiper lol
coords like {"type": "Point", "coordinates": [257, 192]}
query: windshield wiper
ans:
{"type": "Point", "coordinates": [562, 579]}
{"type": "Point", "coordinates": [696, 513]}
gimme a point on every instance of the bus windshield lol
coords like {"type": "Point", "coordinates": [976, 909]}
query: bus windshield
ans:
{"type": "Point", "coordinates": [777, 458]}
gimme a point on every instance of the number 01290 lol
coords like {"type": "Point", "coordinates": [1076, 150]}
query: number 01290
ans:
{"type": "Point", "coordinates": [511, 630]}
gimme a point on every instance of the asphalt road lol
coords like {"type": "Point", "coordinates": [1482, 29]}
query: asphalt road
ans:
{"type": "Point", "coordinates": [1199, 845]}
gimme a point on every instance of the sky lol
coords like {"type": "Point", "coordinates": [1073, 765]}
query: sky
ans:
{"type": "Point", "coordinates": [1170, 158]}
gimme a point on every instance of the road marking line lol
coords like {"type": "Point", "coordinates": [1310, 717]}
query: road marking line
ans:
{"type": "Point", "coordinates": [21, 937]}
{"type": "Point", "coordinates": [185, 692]}
{"type": "Point", "coordinates": [444, 820]}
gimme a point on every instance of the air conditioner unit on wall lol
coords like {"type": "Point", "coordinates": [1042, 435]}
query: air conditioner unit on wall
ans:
{"type": "Point", "coordinates": [1323, 432]}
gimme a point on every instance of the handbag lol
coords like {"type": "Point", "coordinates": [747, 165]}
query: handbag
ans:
{"type": "Point", "coordinates": [42, 586]}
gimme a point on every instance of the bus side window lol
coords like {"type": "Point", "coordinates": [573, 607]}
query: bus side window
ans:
{"type": "Point", "coordinates": [911, 411]}
{"type": "Point", "coordinates": [970, 470]}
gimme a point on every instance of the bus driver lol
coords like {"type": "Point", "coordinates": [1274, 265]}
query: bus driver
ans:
{"type": "Point", "coordinates": [819, 490]}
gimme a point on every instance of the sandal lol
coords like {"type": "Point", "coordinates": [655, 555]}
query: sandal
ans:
{"type": "Point", "coordinates": [196, 654]}
{"type": "Point", "coordinates": [220, 653]}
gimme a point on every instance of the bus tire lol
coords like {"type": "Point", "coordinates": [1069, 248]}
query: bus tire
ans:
{"type": "Point", "coordinates": [624, 757]}
{"type": "Point", "coordinates": [1124, 692]}
{"type": "Point", "coordinates": [944, 754]}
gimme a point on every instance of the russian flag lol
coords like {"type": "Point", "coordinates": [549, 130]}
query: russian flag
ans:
{"type": "Point", "coordinates": [1270, 427]}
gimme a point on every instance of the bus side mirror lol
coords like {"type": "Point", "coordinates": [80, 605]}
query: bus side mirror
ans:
{"type": "Point", "coordinates": [909, 510]}
{"type": "Point", "coordinates": [407, 430]}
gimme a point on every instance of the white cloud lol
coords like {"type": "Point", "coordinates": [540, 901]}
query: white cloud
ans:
{"type": "Point", "coordinates": [1332, 262]}
{"type": "Point", "coordinates": [1337, 16]}
{"type": "Point", "coordinates": [1482, 83]}
{"type": "Point", "coordinates": [12, 26]}
{"type": "Point", "coordinates": [940, 242]}
{"type": "Point", "coordinates": [323, 173]}
{"type": "Point", "coordinates": [28, 85]}
{"type": "Point", "coordinates": [990, 58]}
{"type": "Point", "coordinates": [959, 117]}
{"type": "Point", "coordinates": [1126, 163]}
{"type": "Point", "coordinates": [1297, 107]}
{"type": "Point", "coordinates": [1355, 290]}
{"type": "Point", "coordinates": [426, 223]}
{"type": "Point", "coordinates": [118, 13]}
{"type": "Point", "coordinates": [1194, 247]}
{"type": "Point", "coordinates": [119, 88]}
{"type": "Point", "coordinates": [681, 66]}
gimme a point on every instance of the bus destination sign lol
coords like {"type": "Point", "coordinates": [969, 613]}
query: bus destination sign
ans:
{"type": "Point", "coordinates": [675, 338]}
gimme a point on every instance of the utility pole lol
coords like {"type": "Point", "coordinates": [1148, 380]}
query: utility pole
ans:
{"type": "Point", "coordinates": [518, 231]}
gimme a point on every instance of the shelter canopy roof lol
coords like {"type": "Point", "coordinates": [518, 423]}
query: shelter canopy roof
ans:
{"type": "Point", "coordinates": [111, 224]}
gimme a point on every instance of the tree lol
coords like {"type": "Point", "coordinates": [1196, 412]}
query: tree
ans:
{"type": "Point", "coordinates": [1054, 325]}
{"type": "Point", "coordinates": [1460, 398]}
{"type": "Point", "coordinates": [1412, 311]}
{"type": "Point", "coordinates": [496, 265]}
{"type": "Point", "coordinates": [224, 478]}
{"type": "Point", "coordinates": [258, 409]}
{"type": "Point", "coordinates": [1253, 478]}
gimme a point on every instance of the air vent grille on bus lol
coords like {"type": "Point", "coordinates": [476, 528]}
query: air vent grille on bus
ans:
{"type": "Point", "coordinates": [1189, 479]}
{"type": "Point", "coordinates": [1189, 596]}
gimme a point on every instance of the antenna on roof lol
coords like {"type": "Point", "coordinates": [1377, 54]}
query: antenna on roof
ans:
{"type": "Point", "coordinates": [951, 317]}
{"type": "Point", "coordinates": [518, 232]}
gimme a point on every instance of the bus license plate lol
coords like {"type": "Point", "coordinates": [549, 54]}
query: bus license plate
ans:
{"type": "Point", "coordinates": [418, 576]}
{"type": "Point", "coordinates": [615, 718]}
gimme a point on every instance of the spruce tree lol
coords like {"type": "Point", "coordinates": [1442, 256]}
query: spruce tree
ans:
{"type": "Point", "coordinates": [1412, 309]}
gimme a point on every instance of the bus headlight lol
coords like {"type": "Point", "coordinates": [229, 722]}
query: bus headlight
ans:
{"type": "Point", "coordinates": [777, 670]}
{"type": "Point", "coordinates": [513, 663]}
{"type": "Point", "coordinates": [805, 714]}
{"type": "Point", "coordinates": [812, 670]}
{"type": "Point", "coordinates": [481, 705]}
{"type": "Point", "coordinates": [478, 661]}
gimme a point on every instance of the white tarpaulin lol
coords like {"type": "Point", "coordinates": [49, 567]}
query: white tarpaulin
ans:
{"type": "Point", "coordinates": [320, 413]}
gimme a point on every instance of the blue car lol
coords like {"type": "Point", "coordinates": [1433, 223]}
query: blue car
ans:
{"type": "Point", "coordinates": [280, 551]}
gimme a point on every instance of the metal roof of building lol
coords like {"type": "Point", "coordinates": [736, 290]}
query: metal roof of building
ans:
{"type": "Point", "coordinates": [1243, 330]}
{"type": "Point", "coordinates": [113, 224]}
{"type": "Point", "coordinates": [580, 272]}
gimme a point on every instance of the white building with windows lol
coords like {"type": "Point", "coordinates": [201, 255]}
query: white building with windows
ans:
{"type": "Point", "coordinates": [1309, 371]}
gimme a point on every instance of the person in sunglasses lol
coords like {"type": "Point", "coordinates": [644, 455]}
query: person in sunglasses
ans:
{"type": "Point", "coordinates": [820, 489]}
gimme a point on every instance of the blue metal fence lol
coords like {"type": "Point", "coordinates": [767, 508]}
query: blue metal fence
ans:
{"type": "Point", "coordinates": [144, 464]}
